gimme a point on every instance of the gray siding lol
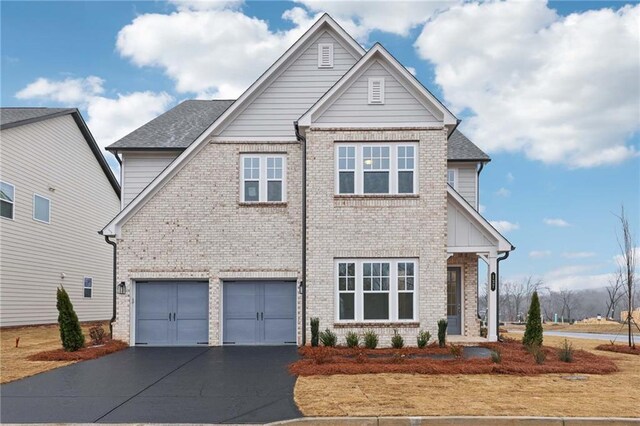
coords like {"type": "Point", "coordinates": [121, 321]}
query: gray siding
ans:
{"type": "Point", "coordinates": [52, 158]}
{"type": "Point", "coordinates": [466, 184]}
{"type": "Point", "coordinates": [140, 168]}
{"type": "Point", "coordinates": [292, 93]}
{"type": "Point", "coordinates": [352, 106]}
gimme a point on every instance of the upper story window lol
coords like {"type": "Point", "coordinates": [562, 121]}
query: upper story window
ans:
{"type": "Point", "coordinates": [263, 178]}
{"type": "Point", "coordinates": [7, 200]}
{"type": "Point", "coordinates": [325, 55]}
{"type": "Point", "coordinates": [41, 208]}
{"type": "Point", "coordinates": [87, 287]}
{"type": "Point", "coordinates": [366, 168]}
{"type": "Point", "coordinates": [376, 90]}
{"type": "Point", "coordinates": [452, 178]}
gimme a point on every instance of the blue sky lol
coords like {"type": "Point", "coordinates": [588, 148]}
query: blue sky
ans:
{"type": "Point", "coordinates": [572, 169]}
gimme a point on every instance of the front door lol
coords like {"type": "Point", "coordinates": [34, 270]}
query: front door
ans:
{"type": "Point", "coordinates": [454, 308]}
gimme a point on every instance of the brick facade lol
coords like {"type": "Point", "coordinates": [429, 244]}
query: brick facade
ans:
{"type": "Point", "coordinates": [469, 264]}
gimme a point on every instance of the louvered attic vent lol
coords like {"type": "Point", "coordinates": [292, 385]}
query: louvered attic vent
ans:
{"type": "Point", "coordinates": [376, 90]}
{"type": "Point", "coordinates": [325, 55]}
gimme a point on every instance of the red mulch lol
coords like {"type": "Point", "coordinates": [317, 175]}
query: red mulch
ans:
{"type": "Point", "coordinates": [515, 361]}
{"type": "Point", "coordinates": [88, 352]}
{"type": "Point", "coordinates": [621, 349]}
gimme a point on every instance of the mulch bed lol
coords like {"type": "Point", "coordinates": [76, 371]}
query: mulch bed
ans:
{"type": "Point", "coordinates": [621, 349]}
{"type": "Point", "coordinates": [515, 361]}
{"type": "Point", "coordinates": [88, 352]}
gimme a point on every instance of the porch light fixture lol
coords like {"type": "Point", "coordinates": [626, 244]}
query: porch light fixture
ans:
{"type": "Point", "coordinates": [122, 288]}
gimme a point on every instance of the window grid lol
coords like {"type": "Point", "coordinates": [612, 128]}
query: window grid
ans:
{"type": "Point", "coordinates": [263, 178]}
{"type": "Point", "coordinates": [346, 290]}
{"type": "Point", "coordinates": [7, 200]}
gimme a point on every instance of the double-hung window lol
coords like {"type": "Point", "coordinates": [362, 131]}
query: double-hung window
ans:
{"type": "Point", "coordinates": [263, 178]}
{"type": "Point", "coordinates": [87, 287]}
{"type": "Point", "coordinates": [376, 290]}
{"type": "Point", "coordinates": [451, 178]}
{"type": "Point", "coordinates": [7, 200]}
{"type": "Point", "coordinates": [376, 168]}
{"type": "Point", "coordinates": [41, 208]}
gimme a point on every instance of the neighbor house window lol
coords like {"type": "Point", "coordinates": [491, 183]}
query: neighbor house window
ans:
{"type": "Point", "coordinates": [376, 290]}
{"type": "Point", "coordinates": [263, 178]}
{"type": "Point", "coordinates": [451, 178]}
{"type": "Point", "coordinates": [87, 286]}
{"type": "Point", "coordinates": [366, 168]}
{"type": "Point", "coordinates": [7, 200]}
{"type": "Point", "coordinates": [41, 208]}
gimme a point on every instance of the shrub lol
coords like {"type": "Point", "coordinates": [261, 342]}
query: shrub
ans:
{"type": "Point", "coordinates": [538, 354]}
{"type": "Point", "coordinates": [442, 333]}
{"type": "Point", "coordinates": [370, 339]}
{"type": "Point", "coordinates": [496, 356]}
{"type": "Point", "coordinates": [423, 338]}
{"type": "Point", "coordinates": [315, 327]}
{"type": "Point", "coordinates": [352, 339]}
{"type": "Point", "coordinates": [70, 331]}
{"type": "Point", "coordinates": [566, 351]}
{"type": "Point", "coordinates": [456, 351]}
{"type": "Point", "coordinates": [397, 341]}
{"type": "Point", "coordinates": [328, 338]}
{"type": "Point", "coordinates": [484, 332]}
{"type": "Point", "coordinates": [533, 331]}
{"type": "Point", "coordinates": [97, 335]}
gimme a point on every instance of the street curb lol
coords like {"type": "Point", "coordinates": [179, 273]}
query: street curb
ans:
{"type": "Point", "coordinates": [459, 420]}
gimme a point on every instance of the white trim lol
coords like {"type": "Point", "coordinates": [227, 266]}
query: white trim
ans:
{"type": "Point", "coordinates": [33, 213]}
{"type": "Point", "coordinates": [372, 99]}
{"type": "Point", "coordinates": [263, 180]}
{"type": "Point", "coordinates": [12, 202]}
{"type": "Point", "coordinates": [113, 227]}
{"type": "Point", "coordinates": [321, 48]}
{"type": "Point", "coordinates": [84, 287]}
{"type": "Point", "coordinates": [462, 328]}
{"type": "Point", "coordinates": [393, 289]}
{"type": "Point", "coordinates": [255, 139]}
{"type": "Point", "coordinates": [428, 125]}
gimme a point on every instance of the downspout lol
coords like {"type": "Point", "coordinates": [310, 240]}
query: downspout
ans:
{"type": "Point", "coordinates": [113, 316]}
{"type": "Point", "coordinates": [503, 257]}
{"type": "Point", "coordinates": [303, 283]}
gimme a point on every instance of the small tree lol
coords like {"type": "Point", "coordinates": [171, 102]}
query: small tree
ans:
{"type": "Point", "coordinates": [70, 331]}
{"type": "Point", "coordinates": [315, 329]}
{"type": "Point", "coordinates": [442, 332]}
{"type": "Point", "coordinates": [533, 332]}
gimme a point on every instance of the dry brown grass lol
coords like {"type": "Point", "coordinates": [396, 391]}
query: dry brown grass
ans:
{"type": "Point", "coordinates": [33, 339]}
{"type": "Point", "coordinates": [483, 394]}
{"type": "Point", "coordinates": [608, 327]}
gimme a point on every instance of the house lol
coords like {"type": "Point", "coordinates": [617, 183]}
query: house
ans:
{"type": "Point", "coordinates": [56, 189]}
{"type": "Point", "coordinates": [336, 186]}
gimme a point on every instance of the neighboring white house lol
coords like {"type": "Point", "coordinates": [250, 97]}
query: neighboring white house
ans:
{"type": "Point", "coordinates": [336, 186]}
{"type": "Point", "coordinates": [56, 191]}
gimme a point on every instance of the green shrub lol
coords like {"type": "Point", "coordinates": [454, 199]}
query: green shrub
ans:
{"type": "Point", "coordinates": [352, 339]}
{"type": "Point", "coordinates": [496, 356]}
{"type": "Point", "coordinates": [442, 333]}
{"type": "Point", "coordinates": [328, 338]}
{"type": "Point", "coordinates": [423, 338]}
{"type": "Point", "coordinates": [397, 341]}
{"type": "Point", "coordinates": [70, 331]}
{"type": "Point", "coordinates": [370, 339]}
{"type": "Point", "coordinates": [315, 327]}
{"type": "Point", "coordinates": [566, 351]}
{"type": "Point", "coordinates": [533, 331]}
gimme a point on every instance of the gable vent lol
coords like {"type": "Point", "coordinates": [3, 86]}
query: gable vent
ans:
{"type": "Point", "coordinates": [325, 55]}
{"type": "Point", "coordinates": [376, 90]}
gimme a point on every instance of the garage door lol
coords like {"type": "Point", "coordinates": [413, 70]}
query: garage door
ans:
{"type": "Point", "coordinates": [172, 313]}
{"type": "Point", "coordinates": [259, 313]}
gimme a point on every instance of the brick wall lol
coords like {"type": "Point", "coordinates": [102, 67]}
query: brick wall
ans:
{"type": "Point", "coordinates": [469, 264]}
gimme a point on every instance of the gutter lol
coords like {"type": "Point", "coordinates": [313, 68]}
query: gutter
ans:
{"type": "Point", "coordinates": [503, 257]}
{"type": "Point", "coordinates": [113, 316]}
{"type": "Point", "coordinates": [303, 283]}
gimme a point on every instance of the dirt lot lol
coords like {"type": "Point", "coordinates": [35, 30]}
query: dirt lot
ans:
{"type": "Point", "coordinates": [414, 395]}
{"type": "Point", "coordinates": [606, 328]}
{"type": "Point", "coordinates": [13, 361]}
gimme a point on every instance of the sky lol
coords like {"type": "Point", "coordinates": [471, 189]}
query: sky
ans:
{"type": "Point", "coordinates": [551, 90]}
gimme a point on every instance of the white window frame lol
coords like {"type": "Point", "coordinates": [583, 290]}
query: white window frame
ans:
{"type": "Point", "coordinates": [393, 168]}
{"type": "Point", "coordinates": [372, 82]}
{"type": "Point", "coordinates": [455, 177]}
{"type": "Point", "coordinates": [263, 180]}
{"type": "Point", "coordinates": [321, 47]}
{"type": "Point", "coordinates": [393, 290]}
{"type": "Point", "coordinates": [84, 287]}
{"type": "Point", "coordinates": [33, 215]}
{"type": "Point", "coordinates": [12, 202]}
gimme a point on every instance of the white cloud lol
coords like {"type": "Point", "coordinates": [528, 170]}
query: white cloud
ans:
{"type": "Point", "coordinates": [206, 4]}
{"type": "Point", "coordinates": [67, 91]}
{"type": "Point", "coordinates": [563, 90]}
{"type": "Point", "coordinates": [560, 223]}
{"type": "Point", "coordinates": [412, 70]}
{"type": "Point", "coordinates": [503, 192]}
{"type": "Point", "coordinates": [504, 226]}
{"type": "Point", "coordinates": [576, 277]}
{"type": "Point", "coordinates": [510, 177]}
{"type": "Point", "coordinates": [618, 260]}
{"type": "Point", "coordinates": [482, 208]}
{"type": "Point", "coordinates": [537, 254]}
{"type": "Point", "coordinates": [578, 254]}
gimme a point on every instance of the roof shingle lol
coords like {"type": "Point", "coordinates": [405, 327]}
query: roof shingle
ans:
{"type": "Point", "coordinates": [460, 148]}
{"type": "Point", "coordinates": [16, 116]}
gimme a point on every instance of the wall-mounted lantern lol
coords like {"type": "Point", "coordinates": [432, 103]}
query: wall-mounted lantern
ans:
{"type": "Point", "coordinates": [493, 281]}
{"type": "Point", "coordinates": [122, 288]}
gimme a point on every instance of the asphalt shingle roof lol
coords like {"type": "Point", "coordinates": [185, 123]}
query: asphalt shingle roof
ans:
{"type": "Point", "coordinates": [460, 148]}
{"type": "Point", "coordinates": [177, 128]}
{"type": "Point", "coordinates": [15, 116]}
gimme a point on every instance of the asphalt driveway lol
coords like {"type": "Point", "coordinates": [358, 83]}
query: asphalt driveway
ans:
{"type": "Point", "coordinates": [160, 385]}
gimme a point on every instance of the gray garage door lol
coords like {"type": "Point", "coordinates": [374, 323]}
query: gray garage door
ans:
{"type": "Point", "coordinates": [259, 313]}
{"type": "Point", "coordinates": [172, 313]}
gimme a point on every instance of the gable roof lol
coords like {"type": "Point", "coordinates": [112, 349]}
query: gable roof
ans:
{"type": "Point", "coordinates": [176, 128]}
{"type": "Point", "coordinates": [13, 117]}
{"type": "Point", "coordinates": [378, 52]}
{"type": "Point", "coordinates": [460, 148]}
